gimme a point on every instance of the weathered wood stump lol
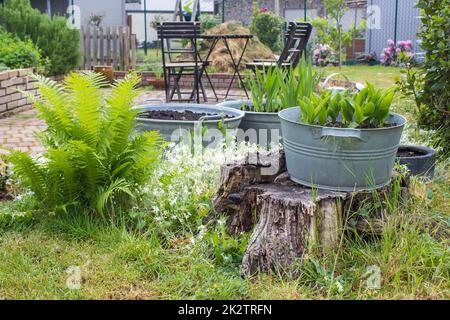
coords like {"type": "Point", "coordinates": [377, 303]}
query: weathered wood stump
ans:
{"type": "Point", "coordinates": [286, 218]}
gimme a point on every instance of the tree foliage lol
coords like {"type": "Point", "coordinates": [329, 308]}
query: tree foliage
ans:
{"type": "Point", "coordinates": [435, 35]}
{"type": "Point", "coordinates": [59, 43]}
{"type": "Point", "coordinates": [267, 26]}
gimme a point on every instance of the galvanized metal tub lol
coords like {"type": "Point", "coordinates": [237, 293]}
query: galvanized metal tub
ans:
{"type": "Point", "coordinates": [263, 128]}
{"type": "Point", "coordinates": [339, 159]}
{"type": "Point", "coordinates": [221, 119]}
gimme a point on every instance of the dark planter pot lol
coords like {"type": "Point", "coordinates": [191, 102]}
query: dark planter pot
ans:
{"type": "Point", "coordinates": [339, 159]}
{"type": "Point", "coordinates": [263, 128]}
{"type": "Point", "coordinates": [187, 16]}
{"type": "Point", "coordinates": [420, 160]}
{"type": "Point", "coordinates": [220, 119]}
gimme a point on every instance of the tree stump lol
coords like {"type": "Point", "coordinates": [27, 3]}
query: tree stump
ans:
{"type": "Point", "coordinates": [286, 218]}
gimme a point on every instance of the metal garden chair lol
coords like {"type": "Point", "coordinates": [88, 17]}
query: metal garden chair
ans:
{"type": "Point", "coordinates": [296, 40]}
{"type": "Point", "coordinates": [181, 58]}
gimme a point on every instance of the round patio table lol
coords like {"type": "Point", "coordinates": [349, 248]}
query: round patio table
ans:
{"type": "Point", "coordinates": [215, 38]}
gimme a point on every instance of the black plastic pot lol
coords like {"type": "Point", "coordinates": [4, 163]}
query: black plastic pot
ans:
{"type": "Point", "coordinates": [419, 160]}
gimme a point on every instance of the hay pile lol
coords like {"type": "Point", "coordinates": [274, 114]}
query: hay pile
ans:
{"type": "Point", "coordinates": [220, 59]}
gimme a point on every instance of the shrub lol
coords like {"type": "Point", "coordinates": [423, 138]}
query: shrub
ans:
{"type": "Point", "coordinates": [435, 36]}
{"type": "Point", "coordinates": [59, 43]}
{"type": "Point", "coordinates": [267, 26]}
{"type": "Point", "coordinates": [16, 54]}
{"type": "Point", "coordinates": [327, 32]}
{"type": "Point", "coordinates": [95, 161]}
{"type": "Point", "coordinates": [397, 56]}
{"type": "Point", "coordinates": [324, 55]}
{"type": "Point", "coordinates": [3, 67]}
{"type": "Point", "coordinates": [209, 21]}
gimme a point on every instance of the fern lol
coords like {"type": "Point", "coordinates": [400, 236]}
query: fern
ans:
{"type": "Point", "coordinates": [95, 160]}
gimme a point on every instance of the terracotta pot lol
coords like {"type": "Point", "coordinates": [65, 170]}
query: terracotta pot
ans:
{"type": "Point", "coordinates": [107, 71]}
{"type": "Point", "coordinates": [156, 83]}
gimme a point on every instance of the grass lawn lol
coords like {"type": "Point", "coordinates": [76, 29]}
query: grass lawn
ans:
{"type": "Point", "coordinates": [380, 76]}
{"type": "Point", "coordinates": [132, 258]}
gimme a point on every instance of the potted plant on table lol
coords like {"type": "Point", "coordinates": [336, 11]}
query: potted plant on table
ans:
{"type": "Point", "coordinates": [341, 142]}
{"type": "Point", "coordinates": [273, 90]}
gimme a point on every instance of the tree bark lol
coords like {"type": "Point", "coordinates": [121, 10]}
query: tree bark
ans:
{"type": "Point", "coordinates": [287, 218]}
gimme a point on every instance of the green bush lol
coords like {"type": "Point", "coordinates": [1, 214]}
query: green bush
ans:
{"type": "Point", "coordinates": [16, 54]}
{"type": "Point", "coordinates": [268, 27]}
{"type": "Point", "coordinates": [435, 35]}
{"type": "Point", "coordinates": [59, 43]}
{"type": "Point", "coordinates": [95, 161]}
{"type": "Point", "coordinates": [209, 21]}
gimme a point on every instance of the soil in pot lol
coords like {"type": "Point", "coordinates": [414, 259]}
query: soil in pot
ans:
{"type": "Point", "coordinates": [175, 115]}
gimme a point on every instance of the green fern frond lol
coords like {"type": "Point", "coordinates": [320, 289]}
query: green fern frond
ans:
{"type": "Point", "coordinates": [60, 164]}
{"type": "Point", "coordinates": [31, 174]}
{"type": "Point", "coordinates": [121, 112]}
{"type": "Point", "coordinates": [85, 100]}
{"type": "Point", "coordinates": [105, 195]}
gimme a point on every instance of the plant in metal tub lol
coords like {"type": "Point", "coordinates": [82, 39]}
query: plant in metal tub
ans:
{"type": "Point", "coordinates": [183, 122]}
{"type": "Point", "coordinates": [340, 142]}
{"type": "Point", "coordinates": [272, 90]}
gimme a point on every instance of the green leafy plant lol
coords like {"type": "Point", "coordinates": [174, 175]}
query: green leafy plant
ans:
{"type": "Point", "coordinates": [58, 42]}
{"type": "Point", "coordinates": [187, 7]}
{"type": "Point", "coordinates": [298, 84]}
{"type": "Point", "coordinates": [4, 175]}
{"type": "Point", "coordinates": [209, 21]}
{"type": "Point", "coordinates": [95, 160]}
{"type": "Point", "coordinates": [157, 19]}
{"type": "Point", "coordinates": [16, 54]}
{"type": "Point", "coordinates": [329, 31]}
{"type": "Point", "coordinates": [369, 108]}
{"type": "Point", "coordinates": [265, 88]}
{"type": "Point", "coordinates": [275, 88]}
{"type": "Point", "coordinates": [267, 26]}
{"type": "Point", "coordinates": [434, 33]}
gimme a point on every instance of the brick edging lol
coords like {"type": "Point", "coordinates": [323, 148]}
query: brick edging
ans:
{"type": "Point", "coordinates": [12, 101]}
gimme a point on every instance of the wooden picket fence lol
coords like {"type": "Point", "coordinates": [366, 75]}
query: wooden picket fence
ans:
{"type": "Point", "coordinates": [111, 46]}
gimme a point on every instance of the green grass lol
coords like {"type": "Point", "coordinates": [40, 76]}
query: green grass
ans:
{"type": "Point", "coordinates": [129, 260]}
{"type": "Point", "coordinates": [380, 76]}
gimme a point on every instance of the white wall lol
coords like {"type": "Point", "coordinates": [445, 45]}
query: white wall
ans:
{"type": "Point", "coordinates": [113, 11]}
{"type": "Point", "coordinates": [164, 8]}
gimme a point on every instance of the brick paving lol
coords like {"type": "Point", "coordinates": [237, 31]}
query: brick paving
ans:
{"type": "Point", "coordinates": [19, 130]}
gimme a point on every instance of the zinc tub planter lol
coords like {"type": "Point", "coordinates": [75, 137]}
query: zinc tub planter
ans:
{"type": "Point", "coordinates": [265, 124]}
{"type": "Point", "coordinates": [340, 159]}
{"type": "Point", "coordinates": [217, 120]}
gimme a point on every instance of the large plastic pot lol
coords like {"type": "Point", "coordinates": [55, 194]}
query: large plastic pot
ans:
{"type": "Point", "coordinates": [174, 130]}
{"type": "Point", "coordinates": [263, 128]}
{"type": "Point", "coordinates": [420, 160]}
{"type": "Point", "coordinates": [339, 159]}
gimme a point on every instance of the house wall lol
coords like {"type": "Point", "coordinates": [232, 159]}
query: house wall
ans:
{"type": "Point", "coordinates": [156, 8]}
{"type": "Point", "coordinates": [113, 11]}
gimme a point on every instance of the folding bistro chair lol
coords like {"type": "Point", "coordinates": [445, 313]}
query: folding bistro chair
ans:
{"type": "Point", "coordinates": [179, 39]}
{"type": "Point", "coordinates": [296, 39]}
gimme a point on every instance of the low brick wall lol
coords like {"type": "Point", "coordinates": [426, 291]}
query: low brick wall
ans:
{"type": "Point", "coordinates": [11, 81]}
{"type": "Point", "coordinates": [219, 80]}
